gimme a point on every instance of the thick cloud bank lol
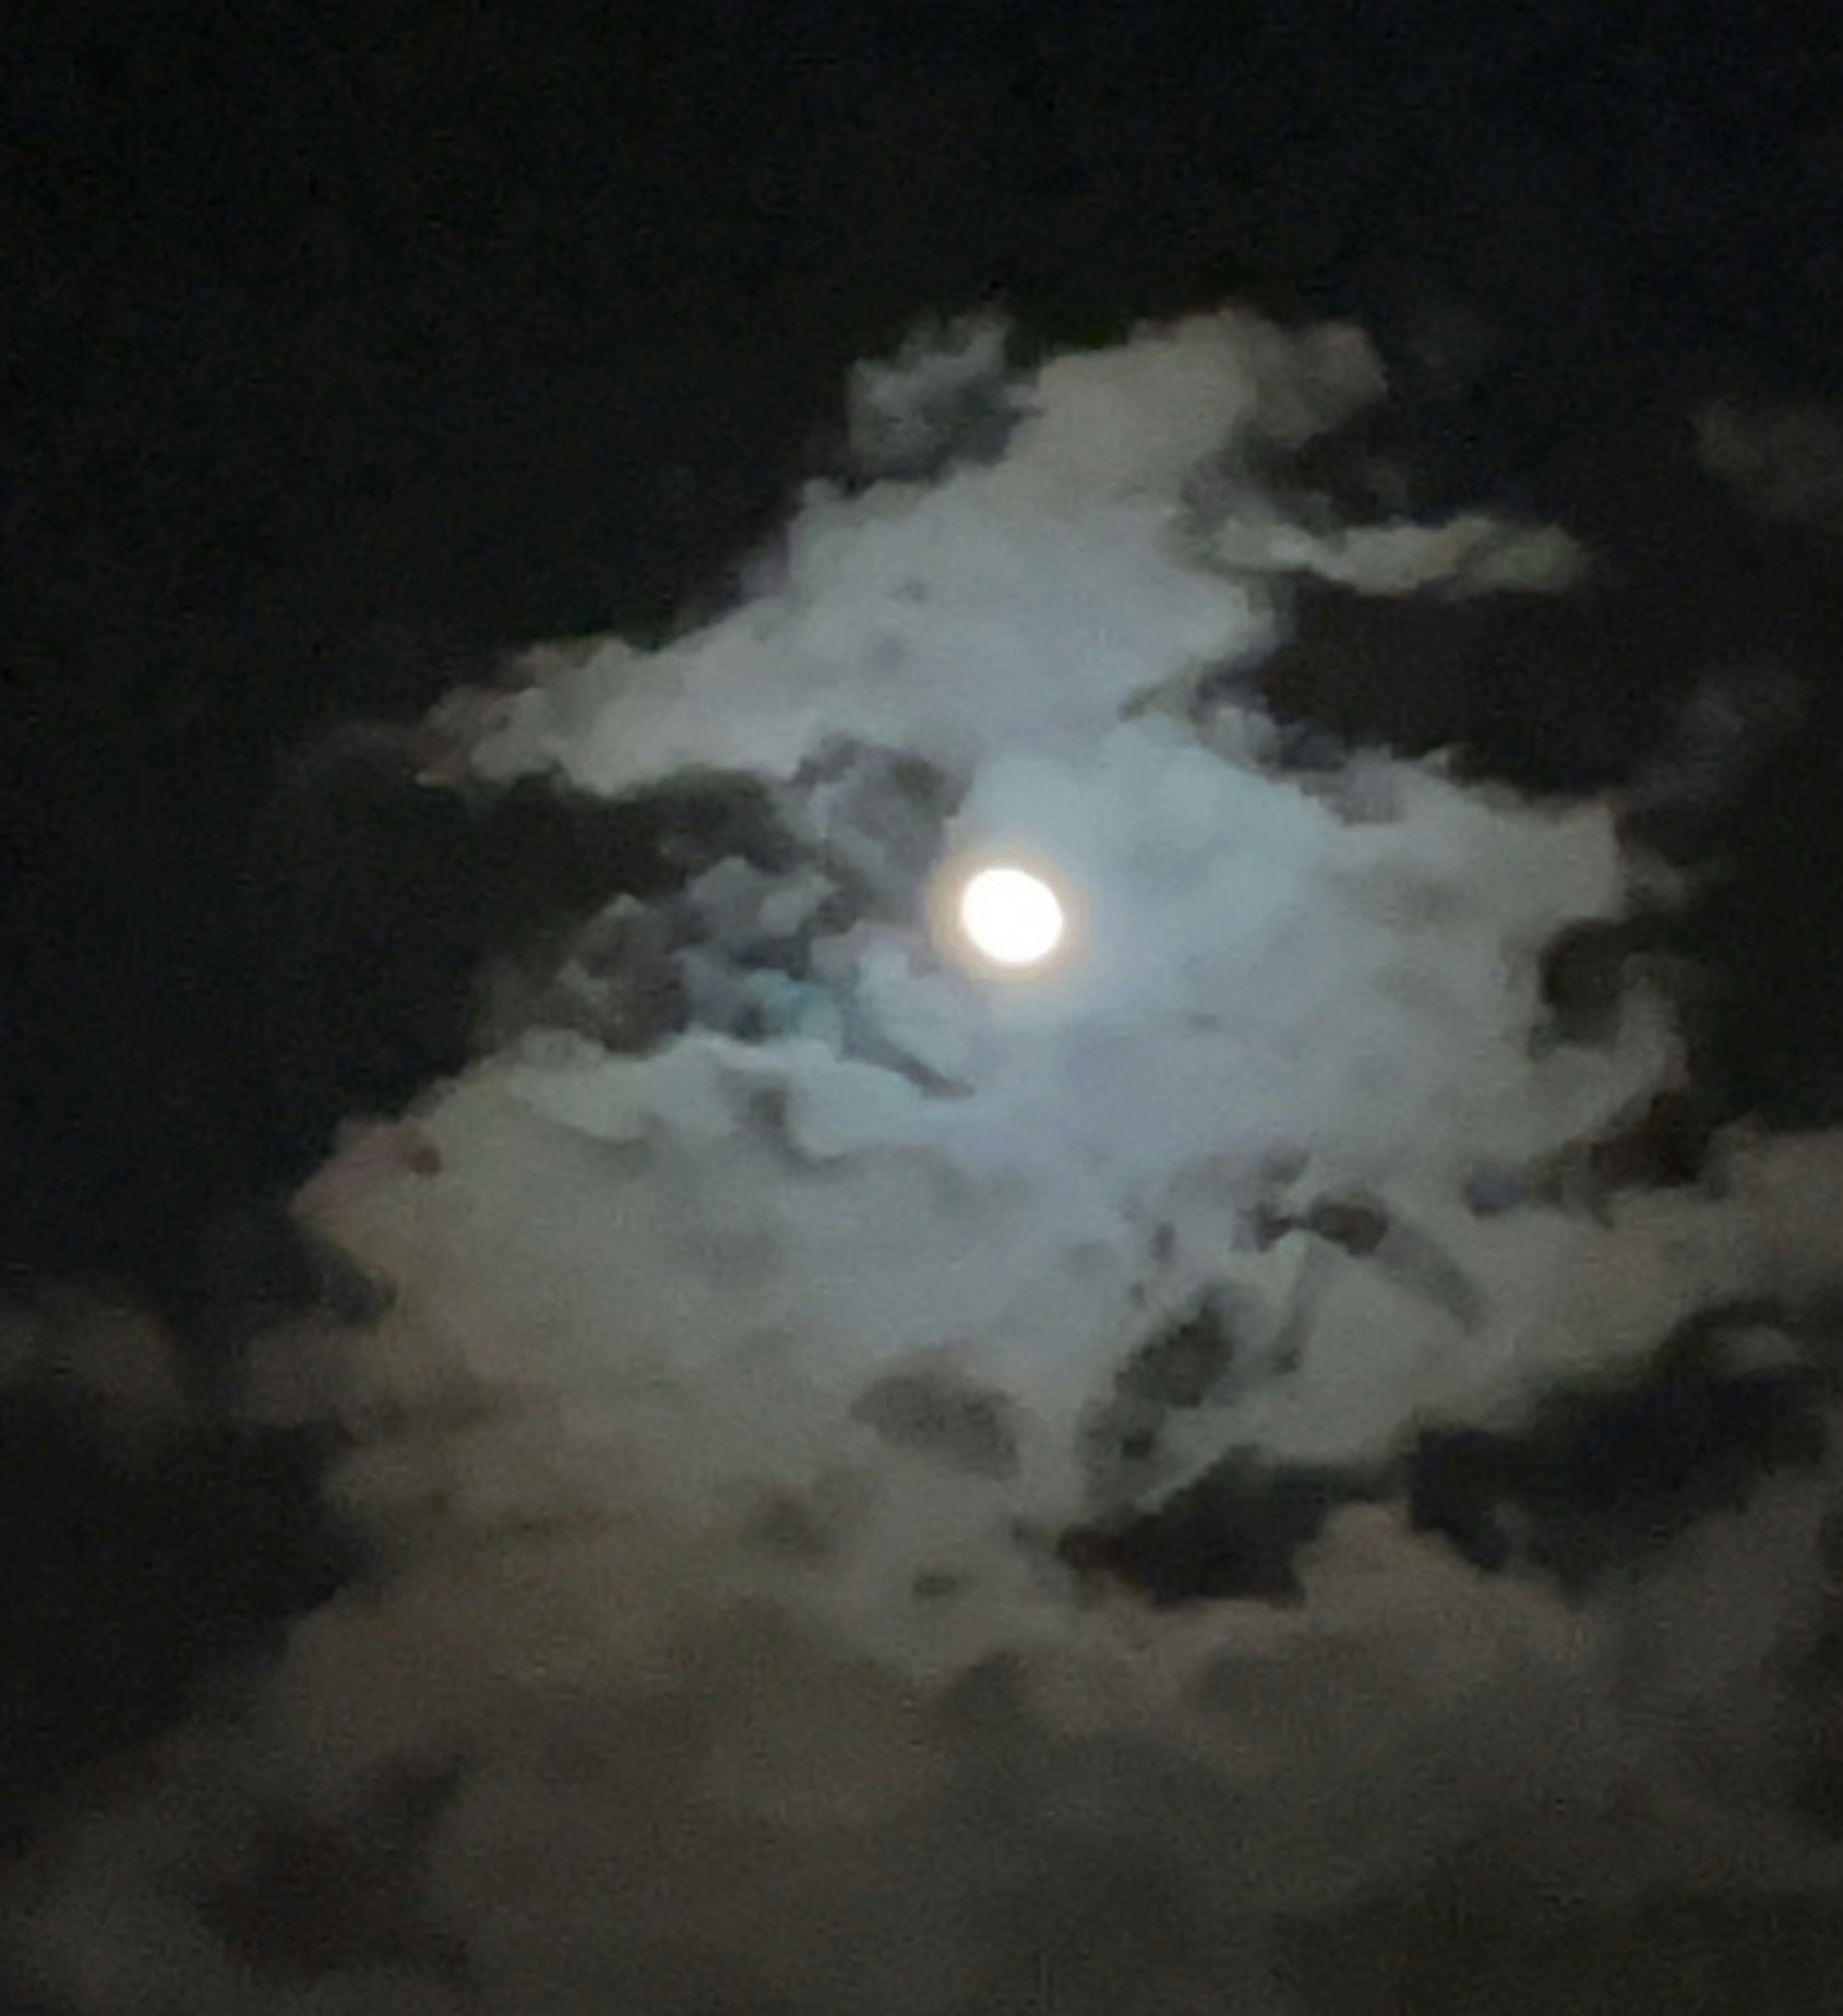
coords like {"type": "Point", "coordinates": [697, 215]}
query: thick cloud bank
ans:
{"type": "Point", "coordinates": [894, 1486]}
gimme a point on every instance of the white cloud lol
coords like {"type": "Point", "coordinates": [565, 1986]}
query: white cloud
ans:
{"type": "Point", "coordinates": [751, 1693]}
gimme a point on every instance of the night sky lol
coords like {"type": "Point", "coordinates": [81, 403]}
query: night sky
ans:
{"type": "Point", "coordinates": [345, 347]}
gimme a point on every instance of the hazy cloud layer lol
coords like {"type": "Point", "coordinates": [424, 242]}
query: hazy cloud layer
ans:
{"type": "Point", "coordinates": [775, 1311]}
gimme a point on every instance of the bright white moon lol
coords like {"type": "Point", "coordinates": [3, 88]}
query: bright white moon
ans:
{"type": "Point", "coordinates": [1012, 916]}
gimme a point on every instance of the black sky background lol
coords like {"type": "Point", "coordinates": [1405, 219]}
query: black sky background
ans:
{"type": "Point", "coordinates": [343, 347]}
{"type": "Point", "coordinates": [346, 346]}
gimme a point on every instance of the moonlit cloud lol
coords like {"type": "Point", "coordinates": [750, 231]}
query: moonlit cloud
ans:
{"type": "Point", "coordinates": [776, 1377]}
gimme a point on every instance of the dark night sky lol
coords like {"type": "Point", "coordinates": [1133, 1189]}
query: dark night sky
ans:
{"type": "Point", "coordinates": [348, 346]}
{"type": "Point", "coordinates": [345, 346]}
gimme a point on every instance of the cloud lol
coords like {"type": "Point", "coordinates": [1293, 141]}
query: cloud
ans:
{"type": "Point", "coordinates": [749, 1362]}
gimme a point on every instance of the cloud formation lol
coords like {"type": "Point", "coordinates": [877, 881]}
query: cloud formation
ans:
{"type": "Point", "coordinates": [796, 1336]}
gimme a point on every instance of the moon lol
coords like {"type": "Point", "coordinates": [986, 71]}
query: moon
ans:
{"type": "Point", "coordinates": [1011, 917]}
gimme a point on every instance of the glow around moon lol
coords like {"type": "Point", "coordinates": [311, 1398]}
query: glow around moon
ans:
{"type": "Point", "coordinates": [1011, 917]}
